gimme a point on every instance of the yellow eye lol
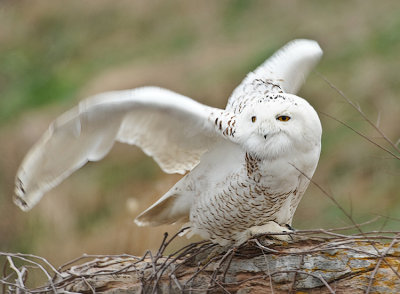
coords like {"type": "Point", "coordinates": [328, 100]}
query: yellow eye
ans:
{"type": "Point", "coordinates": [253, 119]}
{"type": "Point", "coordinates": [283, 118]}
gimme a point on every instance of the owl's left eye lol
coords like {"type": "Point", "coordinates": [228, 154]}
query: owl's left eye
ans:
{"type": "Point", "coordinates": [283, 118]}
{"type": "Point", "coordinates": [253, 119]}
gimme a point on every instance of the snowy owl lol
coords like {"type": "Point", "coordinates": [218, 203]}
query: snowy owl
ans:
{"type": "Point", "coordinates": [247, 166]}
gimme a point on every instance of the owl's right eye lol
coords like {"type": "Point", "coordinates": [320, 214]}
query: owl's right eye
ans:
{"type": "Point", "coordinates": [253, 119]}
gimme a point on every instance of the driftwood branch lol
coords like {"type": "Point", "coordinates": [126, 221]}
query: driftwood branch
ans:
{"type": "Point", "coordinates": [321, 261]}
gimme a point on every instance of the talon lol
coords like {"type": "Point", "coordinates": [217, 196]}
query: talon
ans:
{"type": "Point", "coordinates": [271, 227]}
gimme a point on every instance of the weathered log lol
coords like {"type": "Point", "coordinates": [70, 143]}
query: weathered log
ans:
{"type": "Point", "coordinates": [357, 264]}
{"type": "Point", "coordinates": [322, 266]}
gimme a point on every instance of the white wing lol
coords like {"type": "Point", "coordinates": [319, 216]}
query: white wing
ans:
{"type": "Point", "coordinates": [286, 70]}
{"type": "Point", "coordinates": [173, 129]}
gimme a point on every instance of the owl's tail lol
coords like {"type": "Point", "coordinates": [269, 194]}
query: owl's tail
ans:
{"type": "Point", "coordinates": [169, 209]}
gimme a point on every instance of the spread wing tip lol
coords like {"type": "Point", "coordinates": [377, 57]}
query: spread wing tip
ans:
{"type": "Point", "coordinates": [19, 195]}
{"type": "Point", "coordinates": [295, 61]}
{"type": "Point", "coordinates": [24, 199]}
{"type": "Point", "coordinates": [21, 202]}
{"type": "Point", "coordinates": [309, 47]}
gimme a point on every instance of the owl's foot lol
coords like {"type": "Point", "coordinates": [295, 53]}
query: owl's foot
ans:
{"type": "Point", "coordinates": [272, 229]}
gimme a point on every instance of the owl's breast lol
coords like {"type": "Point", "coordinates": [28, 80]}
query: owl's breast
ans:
{"type": "Point", "coordinates": [249, 195]}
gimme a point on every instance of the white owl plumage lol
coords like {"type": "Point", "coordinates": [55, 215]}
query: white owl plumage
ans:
{"type": "Point", "coordinates": [249, 164]}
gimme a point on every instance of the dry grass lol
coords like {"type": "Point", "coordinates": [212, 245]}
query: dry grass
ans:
{"type": "Point", "coordinates": [198, 266]}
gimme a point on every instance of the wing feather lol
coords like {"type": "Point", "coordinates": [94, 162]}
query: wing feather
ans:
{"type": "Point", "coordinates": [173, 129]}
{"type": "Point", "coordinates": [287, 69]}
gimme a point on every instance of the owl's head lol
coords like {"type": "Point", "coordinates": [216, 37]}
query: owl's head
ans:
{"type": "Point", "coordinates": [274, 125]}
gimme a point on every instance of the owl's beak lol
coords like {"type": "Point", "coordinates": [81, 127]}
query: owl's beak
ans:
{"type": "Point", "coordinates": [265, 136]}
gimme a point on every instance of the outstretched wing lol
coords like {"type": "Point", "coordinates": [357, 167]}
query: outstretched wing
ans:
{"type": "Point", "coordinates": [173, 129]}
{"type": "Point", "coordinates": [285, 71]}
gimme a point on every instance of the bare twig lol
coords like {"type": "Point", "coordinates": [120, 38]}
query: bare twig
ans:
{"type": "Point", "coordinates": [20, 274]}
{"type": "Point", "coordinates": [348, 216]}
{"type": "Point", "coordinates": [362, 135]}
{"type": "Point", "coordinates": [358, 108]}
{"type": "Point", "coordinates": [372, 277]}
{"type": "Point", "coordinates": [115, 265]}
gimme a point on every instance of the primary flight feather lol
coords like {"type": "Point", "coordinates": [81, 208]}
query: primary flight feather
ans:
{"type": "Point", "coordinates": [249, 164]}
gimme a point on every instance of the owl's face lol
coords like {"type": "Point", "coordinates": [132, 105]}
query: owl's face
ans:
{"type": "Point", "coordinates": [279, 124]}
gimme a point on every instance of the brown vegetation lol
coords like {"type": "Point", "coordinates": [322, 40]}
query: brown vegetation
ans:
{"type": "Point", "coordinates": [315, 262]}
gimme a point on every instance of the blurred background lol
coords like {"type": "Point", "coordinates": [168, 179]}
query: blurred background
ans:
{"type": "Point", "coordinates": [54, 54]}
